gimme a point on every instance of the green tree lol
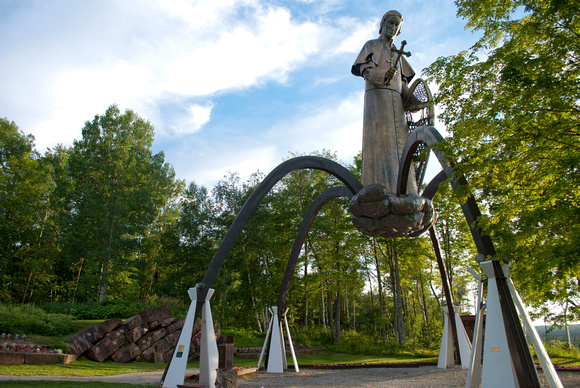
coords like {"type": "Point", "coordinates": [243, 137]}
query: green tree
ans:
{"type": "Point", "coordinates": [455, 241]}
{"type": "Point", "coordinates": [118, 189]}
{"type": "Point", "coordinates": [511, 104]}
{"type": "Point", "coordinates": [25, 185]}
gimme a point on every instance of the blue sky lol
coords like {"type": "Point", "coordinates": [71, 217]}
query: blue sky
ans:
{"type": "Point", "coordinates": [230, 85]}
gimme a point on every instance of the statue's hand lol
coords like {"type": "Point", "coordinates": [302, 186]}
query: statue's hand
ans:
{"type": "Point", "coordinates": [376, 75]}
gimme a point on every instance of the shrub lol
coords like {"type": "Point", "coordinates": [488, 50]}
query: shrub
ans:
{"type": "Point", "coordinates": [355, 342]}
{"type": "Point", "coordinates": [33, 320]}
{"type": "Point", "coordinates": [562, 350]}
{"type": "Point", "coordinates": [62, 346]}
{"type": "Point", "coordinates": [311, 337]}
{"type": "Point", "coordinates": [95, 310]}
{"type": "Point", "coordinates": [121, 309]}
{"type": "Point", "coordinates": [245, 337]}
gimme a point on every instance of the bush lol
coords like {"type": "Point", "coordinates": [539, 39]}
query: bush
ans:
{"type": "Point", "coordinates": [121, 309]}
{"type": "Point", "coordinates": [355, 342]}
{"type": "Point", "coordinates": [562, 350]}
{"type": "Point", "coordinates": [311, 337]}
{"type": "Point", "coordinates": [33, 320]}
{"type": "Point", "coordinates": [244, 338]}
{"type": "Point", "coordinates": [95, 310]}
{"type": "Point", "coordinates": [62, 346]}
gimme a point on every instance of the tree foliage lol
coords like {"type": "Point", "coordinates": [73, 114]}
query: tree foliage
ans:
{"type": "Point", "coordinates": [512, 106]}
{"type": "Point", "coordinates": [119, 188]}
{"type": "Point", "coordinates": [25, 185]}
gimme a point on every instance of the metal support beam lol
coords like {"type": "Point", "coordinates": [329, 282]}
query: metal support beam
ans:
{"type": "Point", "coordinates": [300, 163]}
{"type": "Point", "coordinates": [446, 290]}
{"type": "Point", "coordinates": [319, 202]}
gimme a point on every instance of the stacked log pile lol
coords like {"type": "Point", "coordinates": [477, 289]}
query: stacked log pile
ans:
{"type": "Point", "coordinates": [150, 336]}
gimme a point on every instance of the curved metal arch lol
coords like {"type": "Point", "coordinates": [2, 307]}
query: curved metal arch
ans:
{"type": "Point", "coordinates": [431, 137]}
{"type": "Point", "coordinates": [311, 213]}
{"type": "Point", "coordinates": [299, 163]}
{"type": "Point", "coordinates": [522, 361]}
{"type": "Point", "coordinates": [433, 186]}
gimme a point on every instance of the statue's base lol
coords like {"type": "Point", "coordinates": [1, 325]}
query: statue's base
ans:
{"type": "Point", "coordinates": [378, 213]}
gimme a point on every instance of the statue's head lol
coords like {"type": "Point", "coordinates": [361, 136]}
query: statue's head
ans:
{"type": "Point", "coordinates": [391, 24]}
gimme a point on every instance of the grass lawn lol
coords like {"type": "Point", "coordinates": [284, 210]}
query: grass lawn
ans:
{"type": "Point", "coordinates": [68, 384]}
{"type": "Point", "coordinates": [342, 358]}
{"type": "Point", "coordinates": [84, 367]}
{"type": "Point", "coordinates": [80, 368]}
{"type": "Point", "coordinates": [563, 361]}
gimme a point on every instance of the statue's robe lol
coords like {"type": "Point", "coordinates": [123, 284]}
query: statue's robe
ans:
{"type": "Point", "coordinates": [385, 126]}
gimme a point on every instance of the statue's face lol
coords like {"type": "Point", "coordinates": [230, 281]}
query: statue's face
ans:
{"type": "Point", "coordinates": [391, 27]}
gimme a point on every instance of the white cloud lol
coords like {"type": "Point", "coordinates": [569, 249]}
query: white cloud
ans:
{"type": "Point", "coordinates": [200, 115]}
{"type": "Point", "coordinates": [79, 60]}
{"type": "Point", "coordinates": [360, 33]}
{"type": "Point", "coordinates": [335, 127]}
{"type": "Point", "coordinates": [65, 61]}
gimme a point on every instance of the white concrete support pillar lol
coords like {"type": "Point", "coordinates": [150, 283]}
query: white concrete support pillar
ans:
{"type": "Point", "coordinates": [446, 356]}
{"type": "Point", "coordinates": [296, 369]}
{"type": "Point", "coordinates": [498, 370]}
{"type": "Point", "coordinates": [534, 338]}
{"type": "Point", "coordinates": [277, 354]}
{"type": "Point", "coordinates": [463, 339]}
{"type": "Point", "coordinates": [266, 340]}
{"type": "Point", "coordinates": [209, 356]}
{"type": "Point", "coordinates": [277, 350]}
{"type": "Point", "coordinates": [474, 367]}
{"type": "Point", "coordinates": [446, 359]}
{"type": "Point", "coordinates": [178, 364]}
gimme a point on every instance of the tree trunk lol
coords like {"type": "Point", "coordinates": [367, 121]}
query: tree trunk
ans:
{"type": "Point", "coordinates": [150, 282]}
{"type": "Point", "coordinates": [346, 303]}
{"type": "Point", "coordinates": [330, 314]}
{"type": "Point", "coordinates": [371, 288]}
{"type": "Point", "coordinates": [323, 304]}
{"type": "Point", "coordinates": [397, 298]}
{"type": "Point", "coordinates": [337, 319]}
{"type": "Point", "coordinates": [77, 281]}
{"type": "Point", "coordinates": [567, 326]}
{"type": "Point", "coordinates": [265, 319]}
{"type": "Point", "coordinates": [423, 305]}
{"type": "Point", "coordinates": [383, 316]}
{"type": "Point", "coordinates": [338, 303]}
{"type": "Point", "coordinates": [353, 312]}
{"type": "Point", "coordinates": [106, 264]}
{"type": "Point", "coordinates": [37, 250]}
{"type": "Point", "coordinates": [25, 291]}
{"type": "Point", "coordinates": [254, 301]}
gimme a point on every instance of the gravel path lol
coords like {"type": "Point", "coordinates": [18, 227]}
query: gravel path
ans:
{"type": "Point", "coordinates": [426, 376]}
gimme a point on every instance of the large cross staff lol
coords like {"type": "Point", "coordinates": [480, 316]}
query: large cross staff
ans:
{"type": "Point", "coordinates": [399, 52]}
